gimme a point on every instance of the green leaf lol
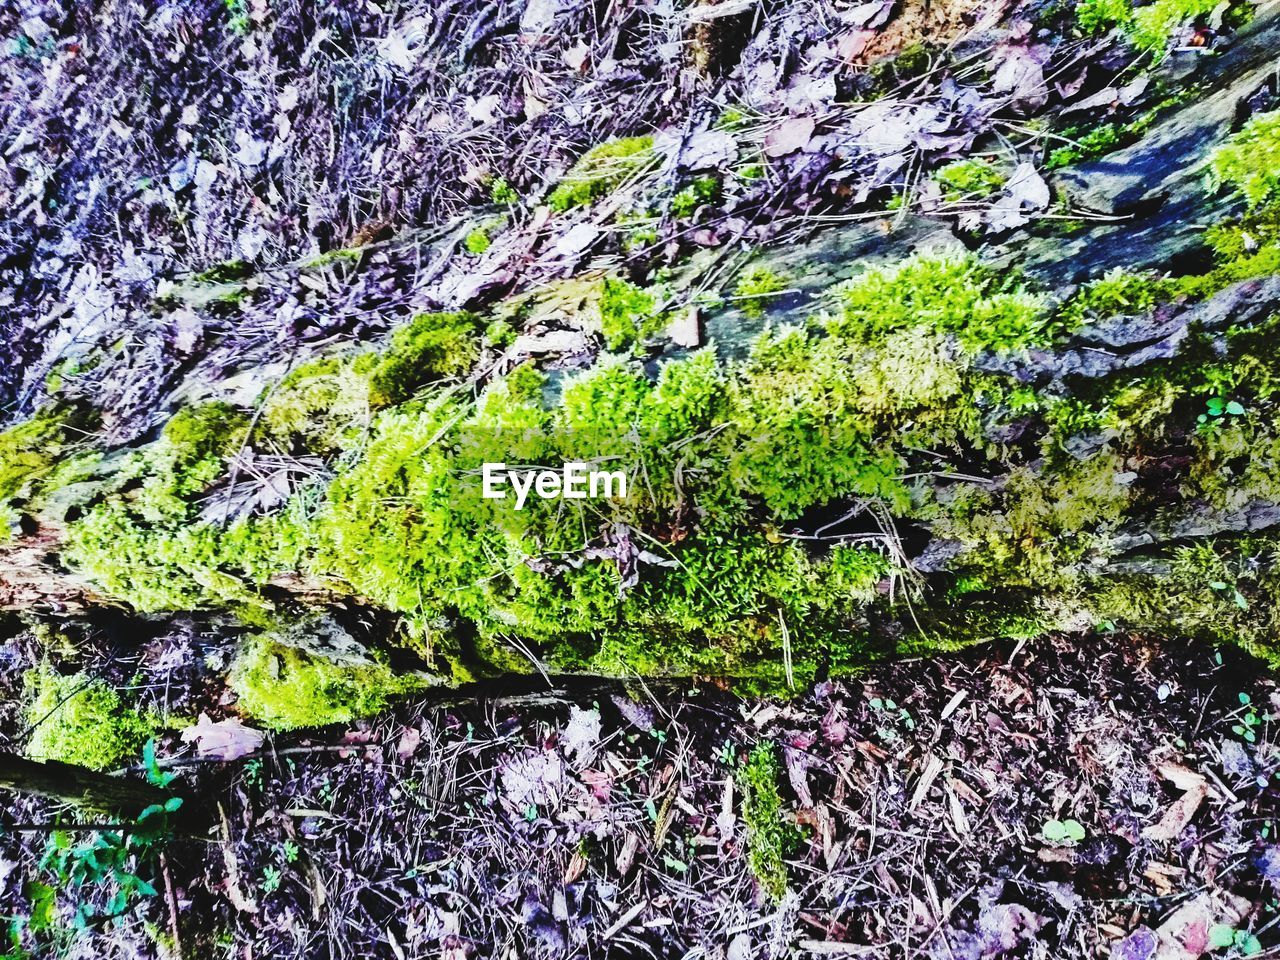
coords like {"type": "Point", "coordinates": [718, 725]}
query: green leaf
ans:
{"type": "Point", "coordinates": [1055, 831]}
{"type": "Point", "coordinates": [1216, 405]}
{"type": "Point", "coordinates": [1235, 409]}
{"type": "Point", "coordinates": [43, 906]}
{"type": "Point", "coordinates": [1074, 830]}
{"type": "Point", "coordinates": [172, 804]}
{"type": "Point", "coordinates": [1245, 699]}
{"type": "Point", "coordinates": [1221, 935]}
{"type": "Point", "coordinates": [1250, 946]}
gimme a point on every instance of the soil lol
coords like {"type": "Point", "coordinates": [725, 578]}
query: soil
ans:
{"type": "Point", "coordinates": [513, 827]}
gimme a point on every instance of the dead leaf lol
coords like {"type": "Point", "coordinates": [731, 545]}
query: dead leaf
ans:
{"type": "Point", "coordinates": [1019, 74]}
{"type": "Point", "coordinates": [581, 736]}
{"type": "Point", "coordinates": [225, 740]}
{"type": "Point", "coordinates": [578, 238]}
{"type": "Point", "coordinates": [410, 738]}
{"type": "Point", "coordinates": [708, 150]}
{"type": "Point", "coordinates": [575, 58]}
{"type": "Point", "coordinates": [789, 136]}
{"type": "Point", "coordinates": [1025, 194]}
{"type": "Point", "coordinates": [685, 329]}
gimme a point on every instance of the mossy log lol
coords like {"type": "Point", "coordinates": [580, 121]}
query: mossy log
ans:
{"type": "Point", "coordinates": [895, 444]}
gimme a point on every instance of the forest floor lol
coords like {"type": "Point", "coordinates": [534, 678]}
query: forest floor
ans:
{"type": "Point", "coordinates": [1043, 799]}
{"type": "Point", "coordinates": [200, 194]}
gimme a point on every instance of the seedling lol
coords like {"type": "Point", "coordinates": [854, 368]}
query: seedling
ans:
{"type": "Point", "coordinates": [895, 719]}
{"type": "Point", "coordinates": [1245, 729]}
{"type": "Point", "coordinates": [1218, 408]}
{"type": "Point", "coordinates": [1063, 832]}
{"type": "Point", "coordinates": [1240, 942]}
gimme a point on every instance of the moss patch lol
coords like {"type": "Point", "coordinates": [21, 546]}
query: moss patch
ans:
{"type": "Point", "coordinates": [601, 170]}
{"type": "Point", "coordinates": [286, 689]}
{"type": "Point", "coordinates": [83, 721]}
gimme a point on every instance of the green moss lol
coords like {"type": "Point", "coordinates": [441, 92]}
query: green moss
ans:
{"type": "Point", "coordinates": [1098, 16]}
{"type": "Point", "coordinates": [1149, 27]}
{"type": "Point", "coordinates": [769, 836]}
{"type": "Point", "coordinates": [601, 170]}
{"type": "Point", "coordinates": [756, 288]}
{"type": "Point", "coordinates": [316, 404]}
{"type": "Point", "coordinates": [286, 689]}
{"type": "Point", "coordinates": [430, 347]}
{"type": "Point", "coordinates": [703, 190]}
{"type": "Point", "coordinates": [1249, 162]}
{"type": "Point", "coordinates": [1119, 292]}
{"type": "Point", "coordinates": [914, 61]}
{"type": "Point", "coordinates": [501, 192]}
{"type": "Point", "coordinates": [1154, 25]}
{"type": "Point", "coordinates": [969, 180]}
{"type": "Point", "coordinates": [732, 118]}
{"type": "Point", "coordinates": [1098, 140]}
{"type": "Point", "coordinates": [342, 255]}
{"type": "Point", "coordinates": [81, 720]}
{"type": "Point", "coordinates": [477, 241]}
{"type": "Point", "coordinates": [189, 456]}
{"type": "Point", "coordinates": [955, 295]}
{"type": "Point", "coordinates": [500, 334]}
{"type": "Point", "coordinates": [28, 453]}
{"type": "Point", "coordinates": [628, 314]}
{"type": "Point", "coordinates": [228, 271]}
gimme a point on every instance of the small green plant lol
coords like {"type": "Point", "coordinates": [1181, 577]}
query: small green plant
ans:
{"type": "Point", "coordinates": [702, 191]}
{"type": "Point", "coordinates": [271, 877]}
{"type": "Point", "coordinates": [1241, 942]}
{"type": "Point", "coordinates": [893, 720]}
{"type": "Point", "coordinates": [1218, 408]}
{"type": "Point", "coordinates": [238, 21]}
{"type": "Point", "coordinates": [120, 859]}
{"type": "Point", "coordinates": [1062, 832]}
{"type": "Point", "coordinates": [768, 836]}
{"type": "Point", "coordinates": [1247, 728]}
{"type": "Point", "coordinates": [601, 170]}
{"type": "Point", "coordinates": [501, 192]}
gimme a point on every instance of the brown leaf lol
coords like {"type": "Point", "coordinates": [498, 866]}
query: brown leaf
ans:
{"type": "Point", "coordinates": [789, 136]}
{"type": "Point", "coordinates": [225, 740]}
